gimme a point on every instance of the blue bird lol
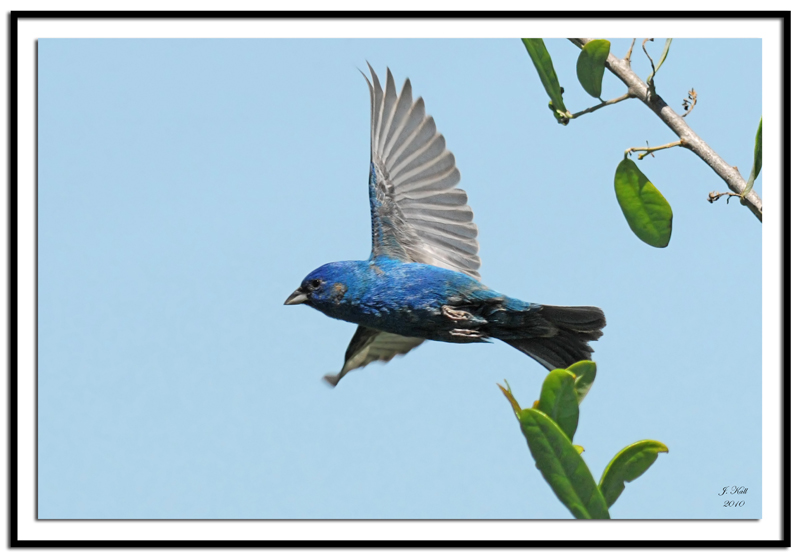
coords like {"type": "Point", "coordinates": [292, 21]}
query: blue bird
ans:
{"type": "Point", "coordinates": [421, 281]}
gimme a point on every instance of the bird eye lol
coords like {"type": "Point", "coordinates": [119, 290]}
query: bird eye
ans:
{"type": "Point", "coordinates": [315, 284]}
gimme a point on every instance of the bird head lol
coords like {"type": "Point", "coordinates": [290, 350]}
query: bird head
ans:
{"type": "Point", "coordinates": [323, 286]}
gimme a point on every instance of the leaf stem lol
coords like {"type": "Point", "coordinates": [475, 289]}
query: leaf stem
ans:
{"type": "Point", "coordinates": [647, 150]}
{"type": "Point", "coordinates": [652, 65]}
{"type": "Point", "coordinates": [599, 106]}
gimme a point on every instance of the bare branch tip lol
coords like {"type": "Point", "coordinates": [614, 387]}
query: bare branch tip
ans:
{"type": "Point", "coordinates": [630, 51]}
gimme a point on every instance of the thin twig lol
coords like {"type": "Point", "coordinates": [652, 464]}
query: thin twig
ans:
{"type": "Point", "coordinates": [648, 150]}
{"type": "Point", "coordinates": [637, 88]}
{"type": "Point", "coordinates": [630, 51]}
{"type": "Point", "coordinates": [599, 106]}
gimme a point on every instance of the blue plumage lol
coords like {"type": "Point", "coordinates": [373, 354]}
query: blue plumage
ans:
{"type": "Point", "coordinates": [410, 299]}
{"type": "Point", "coordinates": [421, 281]}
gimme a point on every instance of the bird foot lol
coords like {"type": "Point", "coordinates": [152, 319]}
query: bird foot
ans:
{"type": "Point", "coordinates": [461, 316]}
{"type": "Point", "coordinates": [456, 315]}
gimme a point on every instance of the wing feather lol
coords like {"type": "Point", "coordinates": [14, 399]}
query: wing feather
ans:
{"type": "Point", "coordinates": [432, 150]}
{"type": "Point", "coordinates": [412, 124]}
{"type": "Point", "coordinates": [400, 117]}
{"type": "Point", "coordinates": [389, 108]}
{"type": "Point", "coordinates": [441, 185]}
{"type": "Point", "coordinates": [418, 214]}
{"type": "Point", "coordinates": [370, 345]}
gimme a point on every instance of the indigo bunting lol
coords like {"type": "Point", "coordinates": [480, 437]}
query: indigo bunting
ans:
{"type": "Point", "coordinates": [421, 281]}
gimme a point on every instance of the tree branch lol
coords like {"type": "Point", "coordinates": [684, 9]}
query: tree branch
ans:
{"type": "Point", "coordinates": [689, 139]}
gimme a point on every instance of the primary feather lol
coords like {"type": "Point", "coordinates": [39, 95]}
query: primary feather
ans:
{"type": "Point", "coordinates": [418, 214]}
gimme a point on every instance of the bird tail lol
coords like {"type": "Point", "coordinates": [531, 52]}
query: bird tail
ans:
{"type": "Point", "coordinates": [566, 340]}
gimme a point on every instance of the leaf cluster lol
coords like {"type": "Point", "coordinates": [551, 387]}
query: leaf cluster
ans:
{"type": "Point", "coordinates": [549, 428]}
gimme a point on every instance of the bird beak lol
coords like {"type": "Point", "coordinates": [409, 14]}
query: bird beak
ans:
{"type": "Point", "coordinates": [297, 297]}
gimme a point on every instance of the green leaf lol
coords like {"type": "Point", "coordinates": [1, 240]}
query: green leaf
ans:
{"type": "Point", "coordinates": [756, 163]}
{"type": "Point", "coordinates": [647, 211]}
{"type": "Point", "coordinates": [592, 65]}
{"type": "Point", "coordinates": [559, 400]}
{"type": "Point", "coordinates": [562, 466]}
{"type": "Point", "coordinates": [513, 401]}
{"type": "Point", "coordinates": [664, 53]}
{"type": "Point", "coordinates": [544, 66]}
{"type": "Point", "coordinates": [630, 463]}
{"type": "Point", "coordinates": [585, 371]}
{"type": "Point", "coordinates": [757, 150]}
{"type": "Point", "coordinates": [661, 61]}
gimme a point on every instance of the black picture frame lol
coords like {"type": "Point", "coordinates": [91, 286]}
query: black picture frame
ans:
{"type": "Point", "coordinates": [15, 17]}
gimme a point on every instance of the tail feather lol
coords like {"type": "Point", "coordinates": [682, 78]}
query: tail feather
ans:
{"type": "Point", "coordinates": [575, 326]}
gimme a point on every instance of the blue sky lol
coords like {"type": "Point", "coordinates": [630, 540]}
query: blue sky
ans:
{"type": "Point", "coordinates": [187, 186]}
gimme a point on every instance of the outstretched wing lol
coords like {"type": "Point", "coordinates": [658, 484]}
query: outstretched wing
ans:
{"type": "Point", "coordinates": [369, 345]}
{"type": "Point", "coordinates": [418, 214]}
